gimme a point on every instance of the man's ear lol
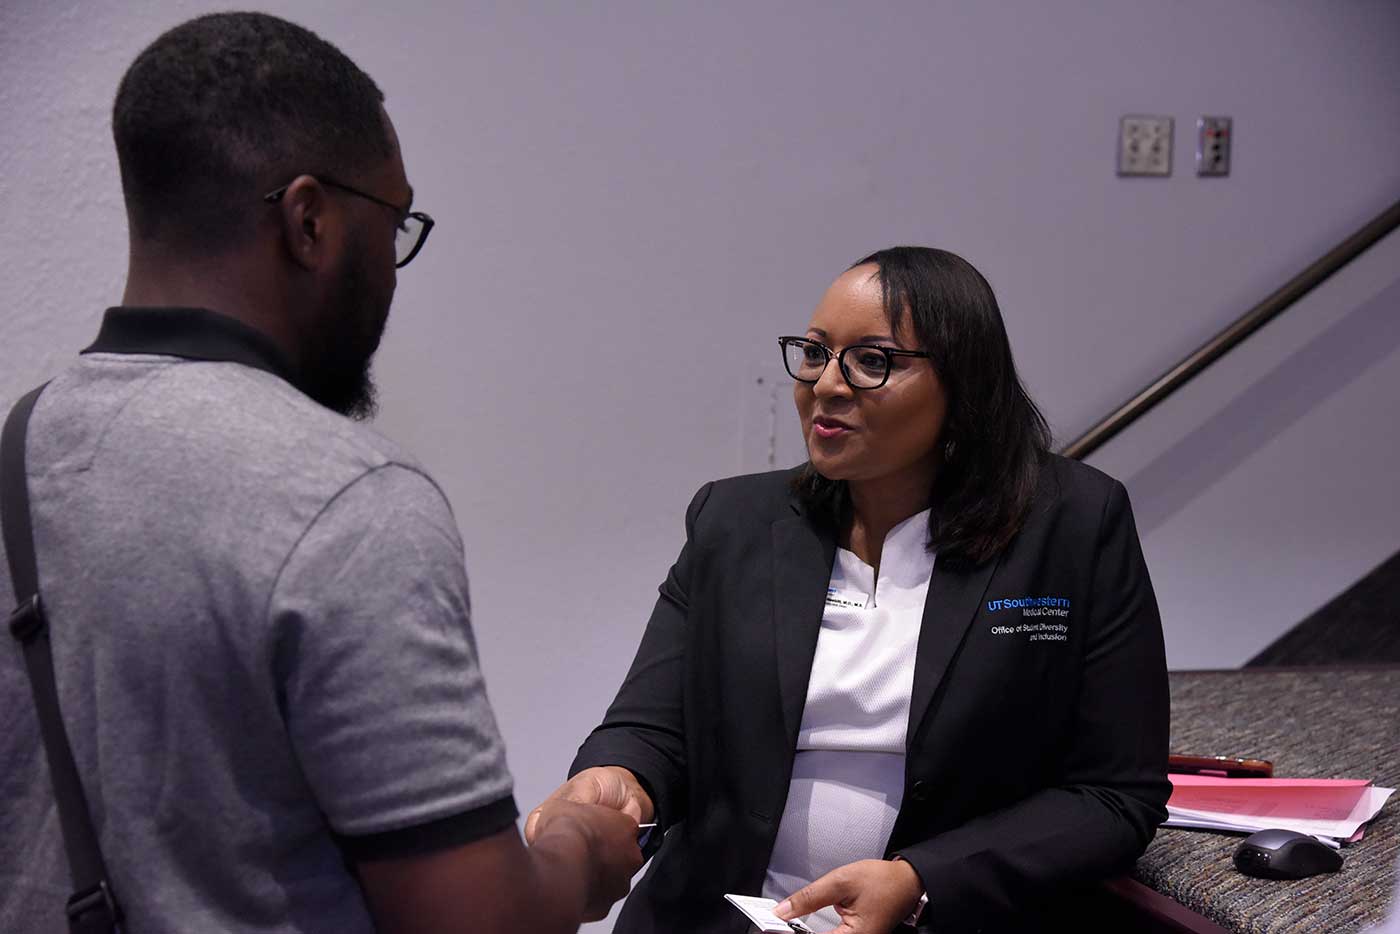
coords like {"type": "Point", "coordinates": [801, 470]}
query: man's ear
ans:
{"type": "Point", "coordinates": [305, 219]}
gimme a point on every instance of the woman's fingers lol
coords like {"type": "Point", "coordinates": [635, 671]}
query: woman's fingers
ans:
{"type": "Point", "coordinates": [831, 889]}
{"type": "Point", "coordinates": [609, 786]}
{"type": "Point", "coordinates": [872, 896]}
{"type": "Point", "coordinates": [616, 787]}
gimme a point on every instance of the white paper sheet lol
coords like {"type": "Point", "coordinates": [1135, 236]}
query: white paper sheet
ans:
{"type": "Point", "coordinates": [1248, 820]}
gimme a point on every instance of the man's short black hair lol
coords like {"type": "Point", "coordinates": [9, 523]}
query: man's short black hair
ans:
{"type": "Point", "coordinates": [222, 109]}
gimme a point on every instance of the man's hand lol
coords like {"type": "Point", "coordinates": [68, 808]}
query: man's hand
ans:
{"type": "Point", "coordinates": [610, 838]}
{"type": "Point", "coordinates": [610, 786]}
{"type": "Point", "coordinates": [582, 861]}
{"type": "Point", "coordinates": [871, 896]}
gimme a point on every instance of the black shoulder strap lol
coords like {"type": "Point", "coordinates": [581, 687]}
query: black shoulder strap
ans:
{"type": "Point", "coordinates": [93, 907]}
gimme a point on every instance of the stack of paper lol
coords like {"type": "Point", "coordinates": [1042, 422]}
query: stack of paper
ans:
{"type": "Point", "coordinates": [1336, 808]}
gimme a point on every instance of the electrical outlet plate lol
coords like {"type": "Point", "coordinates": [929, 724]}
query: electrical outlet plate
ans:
{"type": "Point", "coordinates": [1213, 136]}
{"type": "Point", "coordinates": [1145, 145]}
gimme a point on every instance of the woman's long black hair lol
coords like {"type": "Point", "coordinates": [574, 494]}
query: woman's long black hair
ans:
{"type": "Point", "coordinates": [994, 437]}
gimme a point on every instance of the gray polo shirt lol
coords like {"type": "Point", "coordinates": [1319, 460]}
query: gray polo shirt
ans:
{"type": "Point", "coordinates": [260, 630]}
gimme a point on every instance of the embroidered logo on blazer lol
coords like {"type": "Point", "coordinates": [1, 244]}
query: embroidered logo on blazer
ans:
{"type": "Point", "coordinates": [1032, 606]}
{"type": "Point", "coordinates": [1035, 632]}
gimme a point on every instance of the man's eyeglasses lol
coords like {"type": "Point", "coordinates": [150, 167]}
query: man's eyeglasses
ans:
{"type": "Point", "coordinates": [864, 366]}
{"type": "Point", "coordinates": [413, 225]}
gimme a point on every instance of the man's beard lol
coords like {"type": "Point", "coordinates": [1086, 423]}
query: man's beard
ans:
{"type": "Point", "coordinates": [336, 366]}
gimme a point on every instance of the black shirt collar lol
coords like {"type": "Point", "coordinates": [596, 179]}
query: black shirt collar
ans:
{"type": "Point", "coordinates": [191, 333]}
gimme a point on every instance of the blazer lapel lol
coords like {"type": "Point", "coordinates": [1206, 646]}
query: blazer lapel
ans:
{"type": "Point", "coordinates": [802, 557]}
{"type": "Point", "coordinates": [954, 596]}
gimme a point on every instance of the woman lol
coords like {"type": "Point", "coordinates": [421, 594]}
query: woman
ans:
{"type": "Point", "coordinates": [925, 669]}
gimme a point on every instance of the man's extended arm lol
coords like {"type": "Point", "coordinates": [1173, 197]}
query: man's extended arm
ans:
{"type": "Point", "coordinates": [581, 861]}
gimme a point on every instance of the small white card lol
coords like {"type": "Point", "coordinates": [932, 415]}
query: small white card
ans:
{"type": "Point", "coordinates": [760, 912]}
{"type": "Point", "coordinates": [851, 599]}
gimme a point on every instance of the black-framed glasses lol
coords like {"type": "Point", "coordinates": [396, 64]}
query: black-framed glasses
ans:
{"type": "Point", "coordinates": [413, 227]}
{"type": "Point", "coordinates": [864, 366]}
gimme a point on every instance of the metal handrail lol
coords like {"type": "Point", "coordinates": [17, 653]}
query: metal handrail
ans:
{"type": "Point", "coordinates": [1222, 343]}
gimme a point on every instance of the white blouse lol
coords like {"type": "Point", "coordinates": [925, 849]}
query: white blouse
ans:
{"type": "Point", "coordinates": [848, 776]}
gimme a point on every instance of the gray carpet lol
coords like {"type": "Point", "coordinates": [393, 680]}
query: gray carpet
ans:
{"type": "Point", "coordinates": [1361, 625]}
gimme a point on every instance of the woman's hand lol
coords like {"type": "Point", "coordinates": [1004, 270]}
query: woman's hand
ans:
{"type": "Point", "coordinates": [872, 896]}
{"type": "Point", "coordinates": [610, 786]}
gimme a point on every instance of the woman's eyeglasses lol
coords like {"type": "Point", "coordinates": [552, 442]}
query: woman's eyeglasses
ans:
{"type": "Point", "coordinates": [864, 366]}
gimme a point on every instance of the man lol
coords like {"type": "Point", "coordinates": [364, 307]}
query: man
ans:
{"type": "Point", "coordinates": [258, 608]}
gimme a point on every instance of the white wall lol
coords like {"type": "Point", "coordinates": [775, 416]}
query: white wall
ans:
{"type": "Point", "coordinates": [634, 198]}
{"type": "Point", "coordinates": [1266, 486]}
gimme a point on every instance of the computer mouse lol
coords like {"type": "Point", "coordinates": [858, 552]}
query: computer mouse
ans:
{"type": "Point", "coordinates": [1285, 854]}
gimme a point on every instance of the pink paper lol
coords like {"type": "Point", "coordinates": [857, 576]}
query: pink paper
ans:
{"type": "Point", "coordinates": [1309, 798]}
{"type": "Point", "coordinates": [1214, 781]}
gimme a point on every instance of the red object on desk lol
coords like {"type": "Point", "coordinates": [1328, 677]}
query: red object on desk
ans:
{"type": "Point", "coordinates": [1227, 766]}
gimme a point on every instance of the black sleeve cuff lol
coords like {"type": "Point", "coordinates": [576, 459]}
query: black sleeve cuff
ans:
{"type": "Point", "coordinates": [441, 834]}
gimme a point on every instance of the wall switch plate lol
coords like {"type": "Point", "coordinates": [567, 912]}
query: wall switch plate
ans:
{"type": "Point", "coordinates": [1145, 145]}
{"type": "Point", "coordinates": [1213, 146]}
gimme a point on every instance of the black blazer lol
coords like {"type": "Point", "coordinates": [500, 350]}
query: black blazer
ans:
{"type": "Point", "coordinates": [1037, 741]}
